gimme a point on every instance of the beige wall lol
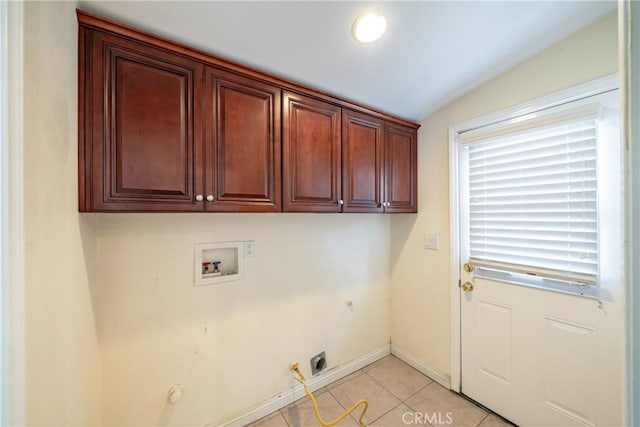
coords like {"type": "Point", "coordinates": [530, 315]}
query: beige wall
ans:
{"type": "Point", "coordinates": [230, 344]}
{"type": "Point", "coordinates": [420, 278]}
{"type": "Point", "coordinates": [63, 361]}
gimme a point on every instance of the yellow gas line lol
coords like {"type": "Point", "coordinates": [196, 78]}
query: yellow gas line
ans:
{"type": "Point", "coordinates": [365, 404]}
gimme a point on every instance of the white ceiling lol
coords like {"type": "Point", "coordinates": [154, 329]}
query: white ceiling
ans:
{"type": "Point", "coordinates": [432, 53]}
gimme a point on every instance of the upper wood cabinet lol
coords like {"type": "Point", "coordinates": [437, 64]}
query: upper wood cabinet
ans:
{"type": "Point", "coordinates": [401, 169]}
{"type": "Point", "coordinates": [167, 128]}
{"type": "Point", "coordinates": [362, 162]}
{"type": "Point", "coordinates": [242, 143]}
{"type": "Point", "coordinates": [379, 165]}
{"type": "Point", "coordinates": [311, 155]}
{"type": "Point", "coordinates": [141, 116]}
{"type": "Point", "coordinates": [157, 144]}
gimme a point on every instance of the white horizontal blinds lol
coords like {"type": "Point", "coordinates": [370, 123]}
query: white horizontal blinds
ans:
{"type": "Point", "coordinates": [533, 201]}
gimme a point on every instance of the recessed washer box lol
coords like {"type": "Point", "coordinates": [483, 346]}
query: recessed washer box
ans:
{"type": "Point", "coordinates": [218, 262]}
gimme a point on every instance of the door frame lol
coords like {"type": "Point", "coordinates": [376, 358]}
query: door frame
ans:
{"type": "Point", "coordinates": [574, 93]}
{"type": "Point", "coordinates": [13, 410]}
{"type": "Point", "coordinates": [629, 65]}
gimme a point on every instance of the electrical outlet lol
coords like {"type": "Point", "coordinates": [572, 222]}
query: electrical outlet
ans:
{"type": "Point", "coordinates": [249, 248]}
{"type": "Point", "coordinates": [318, 363]}
{"type": "Point", "coordinates": [432, 241]}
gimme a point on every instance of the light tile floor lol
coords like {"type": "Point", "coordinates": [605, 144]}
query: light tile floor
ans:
{"type": "Point", "coordinates": [398, 396]}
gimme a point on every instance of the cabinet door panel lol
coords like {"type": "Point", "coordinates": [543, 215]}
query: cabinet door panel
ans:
{"type": "Point", "coordinates": [140, 128]}
{"type": "Point", "coordinates": [145, 150]}
{"type": "Point", "coordinates": [401, 169]}
{"type": "Point", "coordinates": [361, 162]}
{"type": "Point", "coordinates": [311, 155]}
{"type": "Point", "coordinates": [243, 143]}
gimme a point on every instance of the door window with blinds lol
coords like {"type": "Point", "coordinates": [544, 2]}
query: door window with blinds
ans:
{"type": "Point", "coordinates": [532, 193]}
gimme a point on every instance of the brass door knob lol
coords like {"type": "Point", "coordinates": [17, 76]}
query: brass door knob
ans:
{"type": "Point", "coordinates": [467, 286]}
{"type": "Point", "coordinates": [468, 267]}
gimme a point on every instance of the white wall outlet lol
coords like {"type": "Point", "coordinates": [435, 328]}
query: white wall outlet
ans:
{"type": "Point", "coordinates": [432, 241]}
{"type": "Point", "coordinates": [249, 248]}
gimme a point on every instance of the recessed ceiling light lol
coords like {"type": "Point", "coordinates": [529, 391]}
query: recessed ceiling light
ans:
{"type": "Point", "coordinates": [369, 27]}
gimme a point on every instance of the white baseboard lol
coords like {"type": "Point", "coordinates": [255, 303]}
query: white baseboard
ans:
{"type": "Point", "coordinates": [442, 379]}
{"type": "Point", "coordinates": [294, 393]}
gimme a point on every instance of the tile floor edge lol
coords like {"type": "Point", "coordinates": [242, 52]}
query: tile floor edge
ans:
{"type": "Point", "coordinates": [290, 395]}
{"type": "Point", "coordinates": [439, 377]}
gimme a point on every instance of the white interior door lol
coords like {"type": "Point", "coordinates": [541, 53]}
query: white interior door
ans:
{"type": "Point", "coordinates": [547, 355]}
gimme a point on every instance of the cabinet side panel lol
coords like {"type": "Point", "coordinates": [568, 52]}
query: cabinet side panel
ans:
{"type": "Point", "coordinates": [84, 115]}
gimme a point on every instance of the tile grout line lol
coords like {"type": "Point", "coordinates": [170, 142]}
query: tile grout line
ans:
{"type": "Point", "coordinates": [407, 405]}
{"type": "Point", "coordinates": [402, 402]}
{"type": "Point", "coordinates": [385, 389]}
{"type": "Point", "coordinates": [405, 402]}
{"type": "Point", "coordinates": [357, 374]}
{"type": "Point", "coordinates": [283, 417]}
{"type": "Point", "coordinates": [390, 410]}
{"type": "Point", "coordinates": [340, 403]}
{"type": "Point", "coordinates": [482, 420]}
{"type": "Point", "coordinates": [336, 399]}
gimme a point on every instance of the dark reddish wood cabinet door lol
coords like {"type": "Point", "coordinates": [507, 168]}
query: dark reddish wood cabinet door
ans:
{"type": "Point", "coordinates": [401, 172]}
{"type": "Point", "coordinates": [146, 125]}
{"type": "Point", "coordinates": [362, 137]}
{"type": "Point", "coordinates": [242, 144]}
{"type": "Point", "coordinates": [311, 155]}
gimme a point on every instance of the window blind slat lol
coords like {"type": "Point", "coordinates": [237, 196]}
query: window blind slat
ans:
{"type": "Point", "coordinates": [576, 228]}
{"type": "Point", "coordinates": [533, 167]}
{"type": "Point", "coordinates": [535, 149]}
{"type": "Point", "coordinates": [542, 139]}
{"type": "Point", "coordinates": [575, 248]}
{"type": "Point", "coordinates": [506, 196]}
{"type": "Point", "coordinates": [533, 201]}
{"type": "Point", "coordinates": [549, 178]}
{"type": "Point", "coordinates": [550, 208]}
{"type": "Point", "coordinates": [544, 159]}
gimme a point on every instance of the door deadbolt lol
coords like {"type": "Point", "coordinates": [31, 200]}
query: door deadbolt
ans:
{"type": "Point", "coordinates": [467, 286]}
{"type": "Point", "coordinates": [468, 267]}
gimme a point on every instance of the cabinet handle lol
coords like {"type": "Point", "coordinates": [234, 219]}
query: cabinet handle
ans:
{"type": "Point", "coordinates": [210, 198]}
{"type": "Point", "coordinates": [341, 202]}
{"type": "Point", "coordinates": [386, 204]}
{"type": "Point", "coordinates": [199, 197]}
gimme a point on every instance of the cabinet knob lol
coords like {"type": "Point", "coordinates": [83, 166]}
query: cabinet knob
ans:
{"type": "Point", "coordinates": [210, 198]}
{"type": "Point", "coordinates": [199, 197]}
{"type": "Point", "coordinates": [341, 202]}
